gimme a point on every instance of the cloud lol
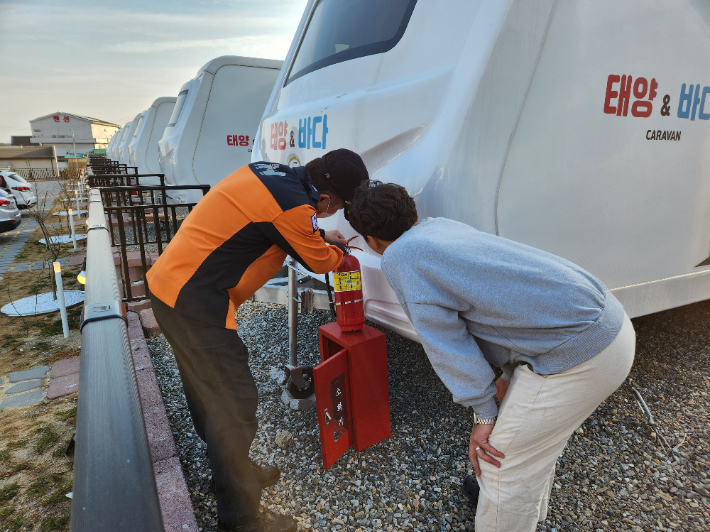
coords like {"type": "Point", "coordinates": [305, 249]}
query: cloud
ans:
{"type": "Point", "coordinates": [143, 47]}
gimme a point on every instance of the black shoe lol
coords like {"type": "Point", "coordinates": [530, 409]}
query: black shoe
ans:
{"type": "Point", "coordinates": [266, 521]}
{"type": "Point", "coordinates": [471, 489]}
{"type": "Point", "coordinates": [266, 475]}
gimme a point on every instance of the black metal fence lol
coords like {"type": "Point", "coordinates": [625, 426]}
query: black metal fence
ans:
{"type": "Point", "coordinates": [114, 483]}
{"type": "Point", "coordinates": [38, 174]}
{"type": "Point", "coordinates": [140, 219]}
{"type": "Point", "coordinates": [142, 222]}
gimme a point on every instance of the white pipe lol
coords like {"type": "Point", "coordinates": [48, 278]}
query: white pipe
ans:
{"type": "Point", "coordinates": [73, 231]}
{"type": "Point", "coordinates": [60, 298]}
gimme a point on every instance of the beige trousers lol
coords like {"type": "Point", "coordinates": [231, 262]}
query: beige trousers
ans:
{"type": "Point", "coordinates": [535, 420]}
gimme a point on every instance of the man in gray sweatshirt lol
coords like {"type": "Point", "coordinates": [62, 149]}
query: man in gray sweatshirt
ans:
{"type": "Point", "coordinates": [561, 339]}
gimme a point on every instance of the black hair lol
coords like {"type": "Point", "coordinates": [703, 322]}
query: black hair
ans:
{"type": "Point", "coordinates": [382, 210]}
{"type": "Point", "coordinates": [317, 179]}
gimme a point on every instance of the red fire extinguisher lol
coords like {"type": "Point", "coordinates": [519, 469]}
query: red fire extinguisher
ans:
{"type": "Point", "coordinates": [350, 312]}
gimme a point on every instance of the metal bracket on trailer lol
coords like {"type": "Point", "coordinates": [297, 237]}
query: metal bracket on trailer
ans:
{"type": "Point", "coordinates": [276, 291]}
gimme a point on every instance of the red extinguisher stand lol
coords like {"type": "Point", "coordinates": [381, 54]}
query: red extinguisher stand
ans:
{"type": "Point", "coordinates": [352, 392]}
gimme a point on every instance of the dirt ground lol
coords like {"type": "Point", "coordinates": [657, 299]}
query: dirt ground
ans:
{"type": "Point", "coordinates": [35, 473]}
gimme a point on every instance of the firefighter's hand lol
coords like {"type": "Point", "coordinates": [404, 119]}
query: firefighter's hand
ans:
{"type": "Point", "coordinates": [479, 447]}
{"type": "Point", "coordinates": [501, 388]}
{"type": "Point", "coordinates": [334, 237]}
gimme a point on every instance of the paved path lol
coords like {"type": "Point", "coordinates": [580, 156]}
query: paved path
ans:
{"type": "Point", "coordinates": [13, 241]}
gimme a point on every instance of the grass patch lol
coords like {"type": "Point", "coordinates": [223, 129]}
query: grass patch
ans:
{"type": "Point", "coordinates": [68, 414]}
{"type": "Point", "coordinates": [5, 455]}
{"type": "Point", "coordinates": [57, 522]}
{"type": "Point", "coordinates": [59, 495]}
{"type": "Point", "coordinates": [6, 512]}
{"type": "Point", "coordinates": [20, 466]}
{"type": "Point", "coordinates": [9, 492]}
{"type": "Point", "coordinates": [42, 346]}
{"type": "Point", "coordinates": [41, 485]}
{"type": "Point", "coordinates": [46, 440]}
{"type": "Point", "coordinates": [16, 523]}
{"type": "Point", "coordinates": [59, 452]}
{"type": "Point", "coordinates": [21, 256]}
{"type": "Point", "coordinates": [17, 444]}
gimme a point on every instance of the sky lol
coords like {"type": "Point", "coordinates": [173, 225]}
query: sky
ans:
{"type": "Point", "coordinates": [111, 60]}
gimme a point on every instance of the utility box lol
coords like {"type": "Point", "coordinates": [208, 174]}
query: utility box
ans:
{"type": "Point", "coordinates": [352, 392]}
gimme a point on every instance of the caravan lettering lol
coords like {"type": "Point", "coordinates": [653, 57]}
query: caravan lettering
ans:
{"type": "Point", "coordinates": [617, 101]}
{"type": "Point", "coordinates": [662, 135]}
{"type": "Point", "coordinates": [693, 101]}
{"type": "Point", "coordinates": [308, 132]}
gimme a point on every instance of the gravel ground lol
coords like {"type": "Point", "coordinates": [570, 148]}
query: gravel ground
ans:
{"type": "Point", "coordinates": [614, 474]}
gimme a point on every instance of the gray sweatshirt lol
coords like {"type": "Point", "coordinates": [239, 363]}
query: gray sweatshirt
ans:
{"type": "Point", "coordinates": [475, 298]}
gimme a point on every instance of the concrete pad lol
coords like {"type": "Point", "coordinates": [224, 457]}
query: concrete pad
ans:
{"type": "Point", "coordinates": [160, 436]}
{"type": "Point", "coordinates": [40, 372]}
{"type": "Point", "coordinates": [24, 386]}
{"type": "Point", "coordinates": [298, 404]}
{"type": "Point", "coordinates": [65, 367]}
{"type": "Point", "coordinates": [25, 399]}
{"type": "Point", "coordinates": [175, 504]}
{"type": "Point", "coordinates": [76, 260]}
{"type": "Point", "coordinates": [150, 325]}
{"type": "Point", "coordinates": [63, 386]}
{"type": "Point", "coordinates": [137, 306]}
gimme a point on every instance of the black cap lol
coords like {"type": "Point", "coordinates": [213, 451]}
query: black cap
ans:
{"type": "Point", "coordinates": [344, 170]}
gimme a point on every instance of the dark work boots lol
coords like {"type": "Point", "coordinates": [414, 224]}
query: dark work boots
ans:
{"type": "Point", "coordinates": [266, 475]}
{"type": "Point", "coordinates": [266, 521]}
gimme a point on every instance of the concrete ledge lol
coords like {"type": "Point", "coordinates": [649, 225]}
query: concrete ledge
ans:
{"type": "Point", "coordinates": [150, 325]}
{"type": "Point", "coordinates": [175, 504]}
{"type": "Point", "coordinates": [137, 306]}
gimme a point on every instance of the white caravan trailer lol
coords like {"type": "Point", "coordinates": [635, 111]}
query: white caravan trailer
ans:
{"type": "Point", "coordinates": [112, 142]}
{"type": "Point", "coordinates": [578, 127]}
{"type": "Point", "coordinates": [119, 143]}
{"type": "Point", "coordinates": [211, 131]}
{"type": "Point", "coordinates": [111, 152]}
{"type": "Point", "coordinates": [128, 138]}
{"type": "Point", "coordinates": [143, 150]}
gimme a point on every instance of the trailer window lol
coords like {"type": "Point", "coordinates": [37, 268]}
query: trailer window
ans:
{"type": "Point", "coordinates": [178, 107]}
{"type": "Point", "coordinates": [340, 30]}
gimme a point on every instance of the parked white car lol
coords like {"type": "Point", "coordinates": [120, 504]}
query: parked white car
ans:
{"type": "Point", "coordinates": [22, 191]}
{"type": "Point", "coordinates": [9, 213]}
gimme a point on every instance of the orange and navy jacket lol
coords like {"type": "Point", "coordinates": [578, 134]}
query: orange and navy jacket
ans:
{"type": "Point", "coordinates": [236, 238]}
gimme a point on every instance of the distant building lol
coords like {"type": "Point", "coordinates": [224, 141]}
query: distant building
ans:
{"type": "Point", "coordinates": [21, 140]}
{"type": "Point", "coordinates": [30, 161]}
{"type": "Point", "coordinates": [56, 130]}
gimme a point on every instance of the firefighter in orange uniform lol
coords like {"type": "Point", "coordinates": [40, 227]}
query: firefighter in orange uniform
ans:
{"type": "Point", "coordinates": [233, 241]}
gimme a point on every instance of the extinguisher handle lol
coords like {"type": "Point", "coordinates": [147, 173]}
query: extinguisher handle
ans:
{"type": "Point", "coordinates": [340, 247]}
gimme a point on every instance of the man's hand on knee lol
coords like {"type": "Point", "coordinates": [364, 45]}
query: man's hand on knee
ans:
{"type": "Point", "coordinates": [479, 447]}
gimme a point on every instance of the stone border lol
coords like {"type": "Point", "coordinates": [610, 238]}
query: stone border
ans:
{"type": "Point", "coordinates": [175, 504]}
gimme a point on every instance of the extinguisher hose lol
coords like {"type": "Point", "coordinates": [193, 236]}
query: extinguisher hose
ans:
{"type": "Point", "coordinates": [330, 295]}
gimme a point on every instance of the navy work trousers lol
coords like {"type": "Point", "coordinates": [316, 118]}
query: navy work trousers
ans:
{"type": "Point", "coordinates": [222, 397]}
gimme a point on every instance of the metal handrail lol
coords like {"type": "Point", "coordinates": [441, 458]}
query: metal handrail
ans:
{"type": "Point", "coordinates": [114, 484]}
